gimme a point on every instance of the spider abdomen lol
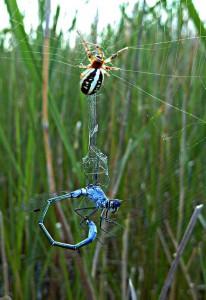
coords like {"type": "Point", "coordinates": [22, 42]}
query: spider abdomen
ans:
{"type": "Point", "coordinates": [91, 81]}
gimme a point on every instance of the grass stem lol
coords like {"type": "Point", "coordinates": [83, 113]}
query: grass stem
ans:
{"type": "Point", "coordinates": [179, 253]}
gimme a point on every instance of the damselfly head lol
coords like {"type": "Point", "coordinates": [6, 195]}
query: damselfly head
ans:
{"type": "Point", "coordinates": [114, 205]}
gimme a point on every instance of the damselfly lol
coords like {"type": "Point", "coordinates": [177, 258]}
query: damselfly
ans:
{"type": "Point", "coordinates": [94, 193]}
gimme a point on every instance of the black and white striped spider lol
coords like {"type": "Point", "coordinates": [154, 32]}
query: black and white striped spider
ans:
{"type": "Point", "coordinates": [92, 78]}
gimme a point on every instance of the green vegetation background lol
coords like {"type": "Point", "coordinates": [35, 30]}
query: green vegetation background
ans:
{"type": "Point", "coordinates": [161, 179]}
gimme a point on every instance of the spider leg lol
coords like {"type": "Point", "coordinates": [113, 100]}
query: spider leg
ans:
{"type": "Point", "coordinates": [83, 73]}
{"type": "Point", "coordinates": [106, 73]}
{"type": "Point", "coordinates": [83, 66]}
{"type": "Point", "coordinates": [85, 46]}
{"type": "Point", "coordinates": [111, 68]}
{"type": "Point", "coordinates": [115, 55]}
{"type": "Point", "coordinates": [98, 50]}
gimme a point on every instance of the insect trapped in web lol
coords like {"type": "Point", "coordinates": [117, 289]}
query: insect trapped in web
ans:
{"type": "Point", "coordinates": [95, 194]}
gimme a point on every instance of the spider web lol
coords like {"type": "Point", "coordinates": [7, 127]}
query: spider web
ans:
{"type": "Point", "coordinates": [171, 81]}
{"type": "Point", "coordinates": [169, 75]}
{"type": "Point", "coordinates": [165, 98]}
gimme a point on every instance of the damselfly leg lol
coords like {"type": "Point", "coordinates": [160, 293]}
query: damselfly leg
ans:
{"type": "Point", "coordinates": [107, 222]}
{"type": "Point", "coordinates": [103, 218]}
{"type": "Point", "coordinates": [78, 212]}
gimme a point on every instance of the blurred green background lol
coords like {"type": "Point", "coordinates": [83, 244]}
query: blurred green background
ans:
{"type": "Point", "coordinates": [152, 127]}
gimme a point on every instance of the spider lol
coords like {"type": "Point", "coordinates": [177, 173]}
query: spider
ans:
{"type": "Point", "coordinates": [92, 78]}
